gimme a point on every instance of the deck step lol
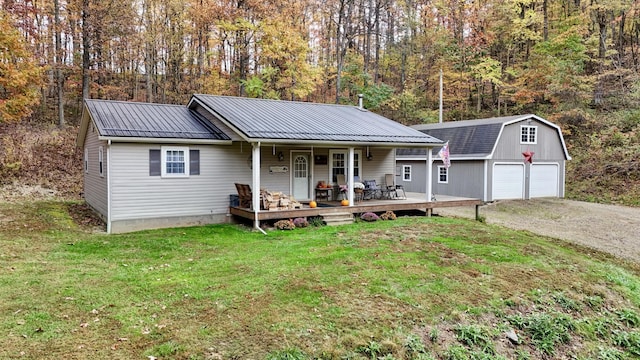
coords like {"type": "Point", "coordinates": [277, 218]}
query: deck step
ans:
{"type": "Point", "coordinates": [335, 219]}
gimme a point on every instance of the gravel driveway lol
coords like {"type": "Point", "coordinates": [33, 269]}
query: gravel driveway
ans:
{"type": "Point", "coordinates": [609, 228]}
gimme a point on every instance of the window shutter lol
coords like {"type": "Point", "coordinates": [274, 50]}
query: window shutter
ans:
{"type": "Point", "coordinates": [194, 162]}
{"type": "Point", "coordinates": [155, 165]}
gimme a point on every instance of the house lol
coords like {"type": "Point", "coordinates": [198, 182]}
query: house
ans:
{"type": "Point", "coordinates": [488, 159]}
{"type": "Point", "coordinates": [153, 165]}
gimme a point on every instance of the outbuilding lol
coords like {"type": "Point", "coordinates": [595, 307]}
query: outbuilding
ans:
{"type": "Point", "coordinates": [513, 157]}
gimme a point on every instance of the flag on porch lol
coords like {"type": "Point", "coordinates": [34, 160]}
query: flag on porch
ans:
{"type": "Point", "coordinates": [444, 155]}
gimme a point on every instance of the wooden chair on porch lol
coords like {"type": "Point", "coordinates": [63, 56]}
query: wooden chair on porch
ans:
{"type": "Point", "coordinates": [245, 196]}
{"type": "Point", "coordinates": [392, 188]}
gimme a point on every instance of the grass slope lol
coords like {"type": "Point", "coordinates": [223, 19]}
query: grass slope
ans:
{"type": "Point", "coordinates": [414, 288]}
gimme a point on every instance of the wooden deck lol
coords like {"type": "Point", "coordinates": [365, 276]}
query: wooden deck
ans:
{"type": "Point", "coordinates": [414, 201]}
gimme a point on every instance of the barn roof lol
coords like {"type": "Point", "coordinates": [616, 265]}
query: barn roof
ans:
{"type": "Point", "coordinates": [471, 139]}
{"type": "Point", "coordinates": [290, 121]}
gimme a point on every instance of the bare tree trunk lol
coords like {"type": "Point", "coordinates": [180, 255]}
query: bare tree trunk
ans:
{"type": "Point", "coordinates": [86, 45]}
{"type": "Point", "coordinates": [545, 25]}
{"type": "Point", "coordinates": [59, 63]}
{"type": "Point", "coordinates": [343, 37]}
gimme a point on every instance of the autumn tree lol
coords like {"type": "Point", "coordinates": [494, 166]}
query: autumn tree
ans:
{"type": "Point", "coordinates": [20, 76]}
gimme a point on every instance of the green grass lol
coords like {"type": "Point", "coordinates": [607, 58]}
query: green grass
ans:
{"type": "Point", "coordinates": [414, 288]}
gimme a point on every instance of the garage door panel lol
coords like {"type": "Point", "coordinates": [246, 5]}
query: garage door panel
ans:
{"type": "Point", "coordinates": [543, 181]}
{"type": "Point", "coordinates": [508, 181]}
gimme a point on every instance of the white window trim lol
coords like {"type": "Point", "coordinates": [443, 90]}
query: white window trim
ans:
{"type": "Point", "coordinates": [404, 173]}
{"type": "Point", "coordinates": [346, 163]}
{"type": "Point", "coordinates": [163, 161]}
{"type": "Point", "coordinates": [86, 160]}
{"type": "Point", "coordinates": [101, 161]}
{"type": "Point", "coordinates": [446, 181]}
{"type": "Point", "coordinates": [535, 139]}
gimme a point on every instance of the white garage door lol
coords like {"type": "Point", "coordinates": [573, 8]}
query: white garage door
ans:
{"type": "Point", "coordinates": [543, 180]}
{"type": "Point", "coordinates": [508, 181]}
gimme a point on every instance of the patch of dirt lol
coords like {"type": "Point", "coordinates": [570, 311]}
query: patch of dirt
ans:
{"type": "Point", "coordinates": [85, 217]}
{"type": "Point", "coordinates": [612, 229]}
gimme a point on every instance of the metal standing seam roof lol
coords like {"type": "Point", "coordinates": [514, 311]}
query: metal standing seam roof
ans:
{"type": "Point", "coordinates": [150, 120]}
{"type": "Point", "coordinates": [467, 138]}
{"type": "Point", "coordinates": [290, 120]}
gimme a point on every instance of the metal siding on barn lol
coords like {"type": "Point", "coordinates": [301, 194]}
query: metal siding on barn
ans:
{"type": "Point", "coordinates": [136, 195]}
{"type": "Point", "coordinates": [508, 181]}
{"type": "Point", "coordinates": [548, 146]}
{"type": "Point", "coordinates": [95, 186]}
{"type": "Point", "coordinates": [544, 180]}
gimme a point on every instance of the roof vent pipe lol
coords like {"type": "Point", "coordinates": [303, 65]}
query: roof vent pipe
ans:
{"type": "Point", "coordinates": [360, 96]}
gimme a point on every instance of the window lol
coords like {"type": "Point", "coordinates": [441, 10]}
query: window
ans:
{"type": "Point", "coordinates": [100, 160]}
{"type": "Point", "coordinates": [174, 162]}
{"type": "Point", "coordinates": [86, 160]}
{"type": "Point", "coordinates": [443, 175]}
{"type": "Point", "coordinates": [338, 163]}
{"type": "Point", "coordinates": [528, 134]}
{"type": "Point", "coordinates": [406, 172]}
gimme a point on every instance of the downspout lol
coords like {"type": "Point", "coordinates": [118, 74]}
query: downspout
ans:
{"type": "Point", "coordinates": [255, 201]}
{"type": "Point", "coordinates": [429, 175]}
{"type": "Point", "coordinates": [109, 187]}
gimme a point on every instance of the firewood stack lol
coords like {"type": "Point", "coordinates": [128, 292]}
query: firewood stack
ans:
{"type": "Point", "coordinates": [275, 200]}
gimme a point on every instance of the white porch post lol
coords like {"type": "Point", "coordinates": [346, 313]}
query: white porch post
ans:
{"type": "Point", "coordinates": [429, 174]}
{"type": "Point", "coordinates": [350, 175]}
{"type": "Point", "coordinates": [255, 185]}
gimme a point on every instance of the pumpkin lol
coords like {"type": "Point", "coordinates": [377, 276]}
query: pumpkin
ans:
{"type": "Point", "coordinates": [344, 202]}
{"type": "Point", "coordinates": [312, 204]}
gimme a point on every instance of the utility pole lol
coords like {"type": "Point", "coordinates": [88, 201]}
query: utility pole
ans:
{"type": "Point", "coordinates": [440, 105]}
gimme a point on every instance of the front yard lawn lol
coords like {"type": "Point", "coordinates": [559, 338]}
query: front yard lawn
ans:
{"type": "Point", "coordinates": [413, 288]}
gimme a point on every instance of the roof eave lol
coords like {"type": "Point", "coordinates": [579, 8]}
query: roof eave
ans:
{"type": "Point", "coordinates": [126, 139]}
{"type": "Point", "coordinates": [453, 158]}
{"type": "Point", "coordinates": [85, 121]}
{"type": "Point", "coordinates": [345, 143]}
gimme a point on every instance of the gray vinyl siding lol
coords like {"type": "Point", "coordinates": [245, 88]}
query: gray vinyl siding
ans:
{"type": "Point", "coordinates": [466, 179]}
{"type": "Point", "coordinates": [136, 195]}
{"type": "Point", "coordinates": [547, 148]}
{"type": "Point", "coordinates": [95, 186]}
{"type": "Point", "coordinates": [418, 175]}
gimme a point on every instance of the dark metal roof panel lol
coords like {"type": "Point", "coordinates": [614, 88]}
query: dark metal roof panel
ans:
{"type": "Point", "coordinates": [148, 120]}
{"type": "Point", "coordinates": [290, 120]}
{"type": "Point", "coordinates": [467, 138]}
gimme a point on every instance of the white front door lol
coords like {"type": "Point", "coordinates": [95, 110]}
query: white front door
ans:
{"type": "Point", "coordinates": [300, 176]}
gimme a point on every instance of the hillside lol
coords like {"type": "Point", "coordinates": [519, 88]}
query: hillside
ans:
{"type": "Point", "coordinates": [43, 160]}
{"type": "Point", "coordinates": [39, 161]}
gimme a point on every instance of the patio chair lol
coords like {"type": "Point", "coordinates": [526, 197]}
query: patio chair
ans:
{"type": "Point", "coordinates": [342, 185]}
{"type": "Point", "coordinates": [372, 190]}
{"type": "Point", "coordinates": [392, 188]}
{"type": "Point", "coordinates": [245, 196]}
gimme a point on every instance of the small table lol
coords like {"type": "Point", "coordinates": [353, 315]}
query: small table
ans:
{"type": "Point", "coordinates": [324, 193]}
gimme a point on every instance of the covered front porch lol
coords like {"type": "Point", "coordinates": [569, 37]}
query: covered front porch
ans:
{"type": "Point", "coordinates": [414, 201]}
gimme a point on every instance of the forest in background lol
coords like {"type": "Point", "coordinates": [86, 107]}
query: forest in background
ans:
{"type": "Point", "coordinates": [574, 62]}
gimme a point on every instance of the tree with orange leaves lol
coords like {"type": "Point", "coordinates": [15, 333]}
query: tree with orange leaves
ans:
{"type": "Point", "coordinates": [19, 74]}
